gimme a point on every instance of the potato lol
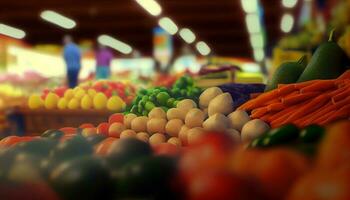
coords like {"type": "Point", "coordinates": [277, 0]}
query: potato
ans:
{"type": "Point", "coordinates": [194, 134]}
{"type": "Point", "coordinates": [238, 118]}
{"type": "Point", "coordinates": [128, 118]}
{"type": "Point", "coordinates": [183, 134]}
{"type": "Point", "coordinates": [139, 124]}
{"type": "Point", "coordinates": [205, 111]}
{"type": "Point", "coordinates": [222, 104]}
{"type": "Point", "coordinates": [157, 138]}
{"type": "Point", "coordinates": [235, 135]}
{"type": "Point", "coordinates": [116, 129]}
{"type": "Point", "coordinates": [217, 122]}
{"type": "Point", "coordinates": [173, 127]}
{"type": "Point", "coordinates": [128, 133]}
{"type": "Point", "coordinates": [208, 95]}
{"type": "Point", "coordinates": [186, 104]}
{"type": "Point", "coordinates": [194, 118]}
{"type": "Point", "coordinates": [157, 112]}
{"type": "Point", "coordinates": [176, 113]}
{"type": "Point", "coordinates": [143, 136]}
{"type": "Point", "coordinates": [253, 129]}
{"type": "Point", "coordinates": [156, 125]}
{"type": "Point", "coordinates": [175, 141]}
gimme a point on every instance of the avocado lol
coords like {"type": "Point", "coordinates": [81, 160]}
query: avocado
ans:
{"type": "Point", "coordinates": [288, 72]}
{"type": "Point", "coordinates": [328, 62]}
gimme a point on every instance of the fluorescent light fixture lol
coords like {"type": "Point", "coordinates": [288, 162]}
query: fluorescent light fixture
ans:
{"type": "Point", "coordinates": [203, 48]}
{"type": "Point", "coordinates": [11, 31]}
{"type": "Point", "coordinates": [150, 6]}
{"type": "Point", "coordinates": [114, 44]}
{"type": "Point", "coordinates": [259, 54]}
{"type": "Point", "coordinates": [250, 6]}
{"type": "Point", "coordinates": [253, 23]}
{"type": "Point", "coordinates": [168, 25]}
{"type": "Point", "coordinates": [187, 35]}
{"type": "Point", "coordinates": [289, 3]}
{"type": "Point", "coordinates": [257, 40]}
{"type": "Point", "coordinates": [58, 19]}
{"type": "Point", "coordinates": [287, 23]}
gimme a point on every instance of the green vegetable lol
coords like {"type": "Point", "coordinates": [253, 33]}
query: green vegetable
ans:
{"type": "Point", "coordinates": [149, 106]}
{"type": "Point", "coordinates": [134, 109]}
{"type": "Point", "coordinates": [328, 62]}
{"type": "Point", "coordinates": [175, 103]}
{"type": "Point", "coordinates": [288, 72]}
{"type": "Point", "coordinates": [170, 102]}
{"type": "Point", "coordinates": [162, 98]}
{"type": "Point", "coordinates": [312, 133]}
{"type": "Point", "coordinates": [281, 135]}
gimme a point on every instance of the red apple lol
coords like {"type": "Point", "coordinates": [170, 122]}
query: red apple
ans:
{"type": "Point", "coordinates": [117, 117]}
{"type": "Point", "coordinates": [103, 128]}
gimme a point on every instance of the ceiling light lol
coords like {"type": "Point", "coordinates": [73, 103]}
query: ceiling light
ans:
{"type": "Point", "coordinates": [203, 48]}
{"type": "Point", "coordinates": [58, 19]}
{"type": "Point", "coordinates": [187, 35]}
{"type": "Point", "coordinates": [12, 31]}
{"type": "Point", "coordinates": [114, 43]}
{"type": "Point", "coordinates": [150, 6]}
{"type": "Point", "coordinates": [259, 54]}
{"type": "Point", "coordinates": [250, 6]}
{"type": "Point", "coordinates": [168, 25]}
{"type": "Point", "coordinates": [253, 23]}
{"type": "Point", "coordinates": [289, 3]}
{"type": "Point", "coordinates": [257, 40]}
{"type": "Point", "coordinates": [287, 23]}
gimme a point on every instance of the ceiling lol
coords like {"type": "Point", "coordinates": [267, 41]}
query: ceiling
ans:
{"type": "Point", "coordinates": [220, 23]}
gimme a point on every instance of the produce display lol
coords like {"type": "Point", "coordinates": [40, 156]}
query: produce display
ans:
{"type": "Point", "coordinates": [101, 95]}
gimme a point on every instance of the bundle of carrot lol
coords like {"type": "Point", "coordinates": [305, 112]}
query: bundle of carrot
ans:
{"type": "Point", "coordinates": [302, 104]}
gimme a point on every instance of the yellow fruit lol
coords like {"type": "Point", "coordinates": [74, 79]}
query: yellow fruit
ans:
{"type": "Point", "coordinates": [115, 103]}
{"type": "Point", "coordinates": [51, 101]}
{"type": "Point", "coordinates": [91, 92]}
{"type": "Point", "coordinates": [35, 102]}
{"type": "Point", "coordinates": [62, 103]}
{"type": "Point", "coordinates": [100, 101]}
{"type": "Point", "coordinates": [86, 102]}
{"type": "Point", "coordinates": [76, 89]}
{"type": "Point", "coordinates": [69, 94]}
{"type": "Point", "coordinates": [79, 94]}
{"type": "Point", "coordinates": [73, 104]}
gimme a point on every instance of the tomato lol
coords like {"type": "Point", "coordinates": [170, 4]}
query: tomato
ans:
{"type": "Point", "coordinates": [68, 130]}
{"type": "Point", "coordinates": [166, 149]}
{"type": "Point", "coordinates": [103, 147]}
{"type": "Point", "coordinates": [86, 125]}
{"type": "Point", "coordinates": [12, 140]}
{"type": "Point", "coordinates": [117, 117]}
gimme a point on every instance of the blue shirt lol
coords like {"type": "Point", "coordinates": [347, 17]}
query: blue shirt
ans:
{"type": "Point", "coordinates": [71, 54]}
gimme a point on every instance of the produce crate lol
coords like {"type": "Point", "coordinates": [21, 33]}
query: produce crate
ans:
{"type": "Point", "coordinates": [33, 122]}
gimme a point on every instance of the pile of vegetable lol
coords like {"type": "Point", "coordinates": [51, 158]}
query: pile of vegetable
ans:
{"type": "Point", "coordinates": [63, 164]}
{"type": "Point", "coordinates": [101, 95]}
{"type": "Point", "coordinates": [163, 97]}
{"type": "Point", "coordinates": [312, 102]}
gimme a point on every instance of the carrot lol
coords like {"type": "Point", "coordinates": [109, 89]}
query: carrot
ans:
{"type": "Point", "coordinates": [307, 120]}
{"type": "Point", "coordinates": [341, 95]}
{"type": "Point", "coordinates": [344, 112]}
{"type": "Point", "coordinates": [337, 91]}
{"type": "Point", "coordinates": [276, 107]}
{"type": "Point", "coordinates": [309, 107]}
{"type": "Point", "coordinates": [259, 112]}
{"type": "Point", "coordinates": [287, 89]}
{"type": "Point", "coordinates": [321, 85]}
{"type": "Point", "coordinates": [299, 98]}
{"type": "Point", "coordinates": [301, 85]}
{"type": "Point", "coordinates": [254, 95]}
{"type": "Point", "coordinates": [279, 121]}
{"type": "Point", "coordinates": [259, 101]}
{"type": "Point", "coordinates": [267, 116]}
{"type": "Point", "coordinates": [323, 117]}
{"type": "Point", "coordinates": [283, 112]}
{"type": "Point", "coordinates": [281, 85]}
{"type": "Point", "coordinates": [345, 75]}
{"type": "Point", "coordinates": [272, 101]}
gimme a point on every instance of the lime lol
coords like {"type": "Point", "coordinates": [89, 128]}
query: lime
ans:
{"type": "Point", "coordinates": [170, 102]}
{"type": "Point", "coordinates": [162, 98]}
{"type": "Point", "coordinates": [149, 106]}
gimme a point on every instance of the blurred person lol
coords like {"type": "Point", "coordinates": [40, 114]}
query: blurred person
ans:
{"type": "Point", "coordinates": [104, 57]}
{"type": "Point", "coordinates": [72, 57]}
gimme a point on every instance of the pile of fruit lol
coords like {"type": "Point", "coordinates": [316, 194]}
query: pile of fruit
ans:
{"type": "Point", "coordinates": [61, 164]}
{"type": "Point", "coordinates": [163, 97]}
{"type": "Point", "coordinates": [101, 95]}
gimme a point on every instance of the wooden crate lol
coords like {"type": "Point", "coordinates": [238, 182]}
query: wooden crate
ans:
{"type": "Point", "coordinates": [39, 120]}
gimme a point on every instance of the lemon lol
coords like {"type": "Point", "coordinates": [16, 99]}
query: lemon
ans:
{"type": "Point", "coordinates": [79, 94]}
{"type": "Point", "coordinates": [86, 102]}
{"type": "Point", "coordinates": [73, 104]}
{"type": "Point", "coordinates": [62, 103]}
{"type": "Point", "coordinates": [100, 101]}
{"type": "Point", "coordinates": [51, 100]}
{"type": "Point", "coordinates": [69, 94]}
{"type": "Point", "coordinates": [91, 92]}
{"type": "Point", "coordinates": [35, 102]}
{"type": "Point", "coordinates": [115, 103]}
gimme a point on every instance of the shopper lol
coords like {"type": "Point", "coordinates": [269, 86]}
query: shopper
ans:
{"type": "Point", "coordinates": [104, 57]}
{"type": "Point", "coordinates": [72, 57]}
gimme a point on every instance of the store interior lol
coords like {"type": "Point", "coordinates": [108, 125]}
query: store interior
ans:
{"type": "Point", "coordinates": [175, 99]}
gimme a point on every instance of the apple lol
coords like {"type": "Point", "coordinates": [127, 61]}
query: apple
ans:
{"type": "Point", "coordinates": [103, 128]}
{"type": "Point", "coordinates": [117, 117]}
